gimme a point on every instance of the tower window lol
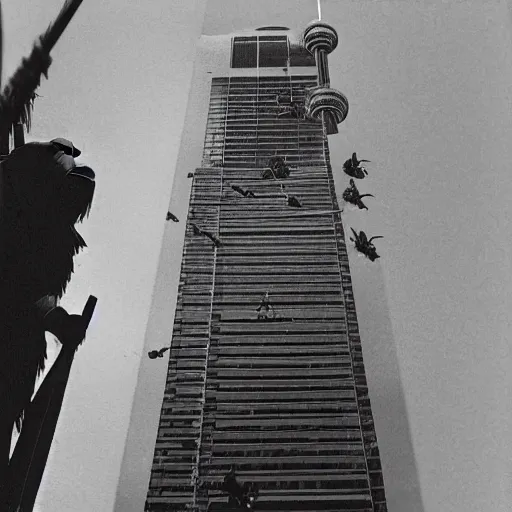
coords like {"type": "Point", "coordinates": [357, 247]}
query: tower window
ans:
{"type": "Point", "coordinates": [268, 52]}
{"type": "Point", "coordinates": [273, 51]}
{"type": "Point", "coordinates": [245, 52]}
{"type": "Point", "coordinates": [299, 56]}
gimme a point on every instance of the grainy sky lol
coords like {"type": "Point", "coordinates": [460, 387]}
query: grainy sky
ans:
{"type": "Point", "coordinates": [430, 88]}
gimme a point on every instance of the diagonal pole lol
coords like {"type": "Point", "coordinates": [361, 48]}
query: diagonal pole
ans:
{"type": "Point", "coordinates": [55, 30]}
{"type": "Point", "coordinates": [16, 100]}
{"type": "Point", "coordinates": [1, 44]}
{"type": "Point", "coordinates": [319, 10]}
{"type": "Point", "coordinates": [29, 458]}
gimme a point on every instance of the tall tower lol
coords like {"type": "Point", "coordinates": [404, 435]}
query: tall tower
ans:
{"type": "Point", "coordinates": [265, 371]}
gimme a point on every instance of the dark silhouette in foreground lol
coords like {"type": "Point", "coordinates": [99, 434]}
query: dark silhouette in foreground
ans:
{"type": "Point", "coordinates": [44, 194]}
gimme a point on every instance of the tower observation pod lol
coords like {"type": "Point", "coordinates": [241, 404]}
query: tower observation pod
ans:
{"type": "Point", "coordinates": [320, 39]}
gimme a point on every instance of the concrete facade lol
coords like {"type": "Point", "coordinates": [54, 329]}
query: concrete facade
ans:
{"type": "Point", "coordinates": [283, 398]}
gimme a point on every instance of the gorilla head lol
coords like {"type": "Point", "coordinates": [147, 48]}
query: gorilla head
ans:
{"type": "Point", "coordinates": [43, 195]}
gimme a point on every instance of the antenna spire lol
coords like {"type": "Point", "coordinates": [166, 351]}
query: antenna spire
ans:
{"type": "Point", "coordinates": [319, 10]}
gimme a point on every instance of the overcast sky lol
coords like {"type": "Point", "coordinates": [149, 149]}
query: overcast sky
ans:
{"type": "Point", "coordinates": [430, 87]}
{"type": "Point", "coordinates": [117, 88]}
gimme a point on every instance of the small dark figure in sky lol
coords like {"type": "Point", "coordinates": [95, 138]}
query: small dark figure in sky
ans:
{"type": "Point", "coordinates": [190, 175]}
{"type": "Point", "coordinates": [353, 167]}
{"type": "Point", "coordinates": [352, 195]}
{"type": "Point", "coordinates": [201, 232]}
{"type": "Point", "coordinates": [172, 217]}
{"type": "Point", "coordinates": [239, 495]}
{"type": "Point", "coordinates": [365, 246]}
{"type": "Point", "coordinates": [245, 193]}
{"type": "Point", "coordinates": [44, 194]}
{"type": "Point", "coordinates": [153, 354]}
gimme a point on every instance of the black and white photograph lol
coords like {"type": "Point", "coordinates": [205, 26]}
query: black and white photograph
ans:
{"type": "Point", "coordinates": [255, 255]}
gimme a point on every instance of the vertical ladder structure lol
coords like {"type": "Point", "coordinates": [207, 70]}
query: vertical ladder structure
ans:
{"type": "Point", "coordinates": [283, 399]}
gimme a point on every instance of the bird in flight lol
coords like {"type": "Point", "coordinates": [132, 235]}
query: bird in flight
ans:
{"type": "Point", "coordinates": [365, 246]}
{"type": "Point", "coordinates": [352, 195]}
{"type": "Point", "coordinates": [353, 167]}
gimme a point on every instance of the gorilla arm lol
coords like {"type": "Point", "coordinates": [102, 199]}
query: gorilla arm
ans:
{"type": "Point", "coordinates": [69, 329]}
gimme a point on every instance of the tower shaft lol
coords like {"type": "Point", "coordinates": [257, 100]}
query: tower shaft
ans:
{"type": "Point", "coordinates": [279, 392]}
